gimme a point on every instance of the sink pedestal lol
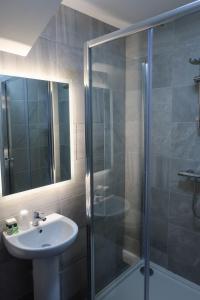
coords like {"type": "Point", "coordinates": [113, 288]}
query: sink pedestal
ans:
{"type": "Point", "coordinates": [46, 278]}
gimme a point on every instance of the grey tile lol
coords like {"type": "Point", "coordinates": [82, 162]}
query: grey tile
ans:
{"type": "Point", "coordinates": [17, 112]}
{"type": "Point", "coordinates": [19, 136]}
{"type": "Point", "coordinates": [185, 141]}
{"type": "Point", "coordinates": [181, 212]}
{"type": "Point", "coordinates": [159, 233]}
{"type": "Point", "coordinates": [186, 28]}
{"type": "Point", "coordinates": [76, 251]}
{"type": "Point", "coordinates": [134, 75]}
{"type": "Point", "coordinates": [21, 161]}
{"type": "Point", "coordinates": [159, 203]}
{"type": "Point", "coordinates": [164, 38]}
{"type": "Point", "coordinates": [178, 183]}
{"type": "Point", "coordinates": [160, 172]}
{"type": "Point", "coordinates": [16, 89]}
{"type": "Point", "coordinates": [159, 257]}
{"type": "Point", "coordinates": [162, 70]}
{"type": "Point", "coordinates": [75, 209]}
{"type": "Point", "coordinates": [183, 71]}
{"type": "Point", "coordinates": [183, 252]}
{"type": "Point", "coordinates": [161, 121]}
{"type": "Point", "coordinates": [185, 104]}
{"type": "Point", "coordinates": [76, 280]}
{"type": "Point", "coordinates": [136, 45]}
{"type": "Point", "coordinates": [80, 141]}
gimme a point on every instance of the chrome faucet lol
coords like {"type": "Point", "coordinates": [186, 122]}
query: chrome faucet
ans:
{"type": "Point", "coordinates": [37, 217]}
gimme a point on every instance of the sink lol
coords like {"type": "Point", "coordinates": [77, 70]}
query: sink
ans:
{"type": "Point", "coordinates": [50, 238]}
{"type": "Point", "coordinates": [43, 244]}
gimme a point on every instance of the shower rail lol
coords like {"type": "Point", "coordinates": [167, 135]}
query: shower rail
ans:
{"type": "Point", "coordinates": [147, 24]}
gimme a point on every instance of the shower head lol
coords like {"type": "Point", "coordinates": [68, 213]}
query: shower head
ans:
{"type": "Point", "coordinates": [194, 61]}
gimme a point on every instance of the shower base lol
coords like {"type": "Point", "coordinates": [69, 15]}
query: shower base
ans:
{"type": "Point", "coordinates": [164, 285]}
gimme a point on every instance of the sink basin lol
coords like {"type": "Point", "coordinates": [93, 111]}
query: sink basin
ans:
{"type": "Point", "coordinates": [43, 244]}
{"type": "Point", "coordinates": [50, 238]}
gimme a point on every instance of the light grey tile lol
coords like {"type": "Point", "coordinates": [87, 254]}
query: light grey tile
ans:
{"type": "Point", "coordinates": [80, 141]}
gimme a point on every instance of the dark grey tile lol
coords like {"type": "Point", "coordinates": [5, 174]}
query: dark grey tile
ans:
{"type": "Point", "coordinates": [159, 257]}
{"type": "Point", "coordinates": [181, 212]}
{"type": "Point", "coordinates": [21, 160]}
{"type": "Point", "coordinates": [183, 253]}
{"type": "Point", "coordinates": [76, 277]}
{"type": "Point", "coordinates": [17, 112]}
{"type": "Point", "coordinates": [159, 233]}
{"type": "Point", "coordinates": [19, 136]}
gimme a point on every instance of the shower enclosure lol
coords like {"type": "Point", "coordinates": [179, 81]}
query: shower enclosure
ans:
{"type": "Point", "coordinates": [143, 159]}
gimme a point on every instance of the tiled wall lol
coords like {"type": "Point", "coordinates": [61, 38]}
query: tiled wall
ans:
{"type": "Point", "coordinates": [175, 232]}
{"type": "Point", "coordinates": [56, 55]}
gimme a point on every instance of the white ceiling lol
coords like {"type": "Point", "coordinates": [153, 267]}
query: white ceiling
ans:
{"type": "Point", "coordinates": [22, 21]}
{"type": "Point", "coordinates": [121, 13]}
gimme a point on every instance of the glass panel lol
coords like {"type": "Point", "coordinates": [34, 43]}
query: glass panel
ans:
{"type": "Point", "coordinates": [175, 203]}
{"type": "Point", "coordinates": [118, 158]}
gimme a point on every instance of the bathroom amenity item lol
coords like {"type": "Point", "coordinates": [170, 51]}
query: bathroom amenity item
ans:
{"type": "Point", "coordinates": [24, 222]}
{"type": "Point", "coordinates": [11, 226]}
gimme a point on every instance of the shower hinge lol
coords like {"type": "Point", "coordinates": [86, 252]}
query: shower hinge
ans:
{"type": "Point", "coordinates": [142, 271]}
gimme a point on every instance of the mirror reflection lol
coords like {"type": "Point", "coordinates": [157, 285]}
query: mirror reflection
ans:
{"type": "Point", "coordinates": [35, 137]}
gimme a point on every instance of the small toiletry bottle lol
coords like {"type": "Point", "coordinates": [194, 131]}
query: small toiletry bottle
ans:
{"type": "Point", "coordinates": [11, 226]}
{"type": "Point", "coordinates": [24, 223]}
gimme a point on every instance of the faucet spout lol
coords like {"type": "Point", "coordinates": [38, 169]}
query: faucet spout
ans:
{"type": "Point", "coordinates": [38, 217]}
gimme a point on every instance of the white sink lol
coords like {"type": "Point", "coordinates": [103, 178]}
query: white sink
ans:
{"type": "Point", "coordinates": [43, 244]}
{"type": "Point", "coordinates": [50, 238]}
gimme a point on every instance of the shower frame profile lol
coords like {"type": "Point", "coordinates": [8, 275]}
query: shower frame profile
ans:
{"type": "Point", "coordinates": [148, 26]}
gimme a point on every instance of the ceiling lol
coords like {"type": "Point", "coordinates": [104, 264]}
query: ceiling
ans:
{"type": "Point", "coordinates": [121, 13]}
{"type": "Point", "coordinates": [22, 21]}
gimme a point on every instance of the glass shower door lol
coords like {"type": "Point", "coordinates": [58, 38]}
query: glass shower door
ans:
{"type": "Point", "coordinates": [117, 96]}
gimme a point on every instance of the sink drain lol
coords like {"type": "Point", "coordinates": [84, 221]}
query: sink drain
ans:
{"type": "Point", "coordinates": [46, 245]}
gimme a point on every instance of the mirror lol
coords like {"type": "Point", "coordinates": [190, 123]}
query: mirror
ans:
{"type": "Point", "coordinates": [35, 133]}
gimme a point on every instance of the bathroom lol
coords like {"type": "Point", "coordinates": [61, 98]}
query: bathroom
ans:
{"type": "Point", "coordinates": [100, 135]}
